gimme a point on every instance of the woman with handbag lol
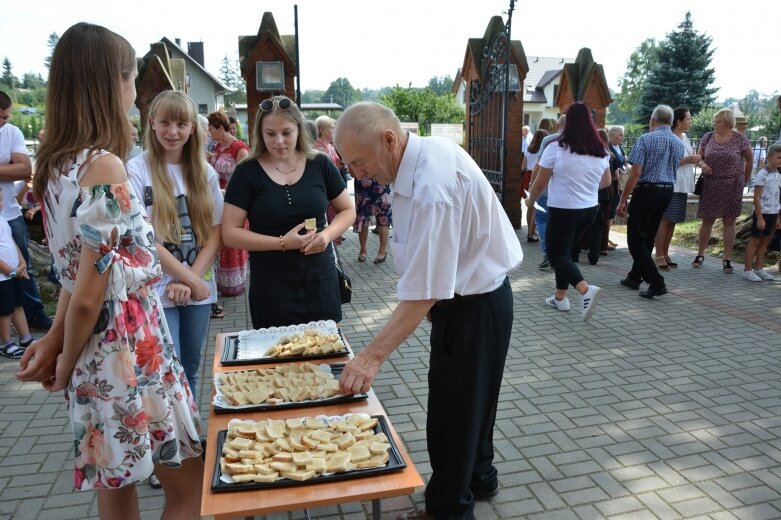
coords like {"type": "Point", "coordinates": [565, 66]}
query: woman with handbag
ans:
{"type": "Point", "coordinates": [284, 182]}
{"type": "Point", "coordinates": [684, 184]}
{"type": "Point", "coordinates": [726, 165]}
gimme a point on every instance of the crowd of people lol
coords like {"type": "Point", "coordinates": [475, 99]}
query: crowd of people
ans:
{"type": "Point", "coordinates": [144, 242]}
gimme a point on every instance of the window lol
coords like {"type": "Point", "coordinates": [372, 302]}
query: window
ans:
{"type": "Point", "coordinates": [526, 120]}
{"type": "Point", "coordinates": [203, 108]}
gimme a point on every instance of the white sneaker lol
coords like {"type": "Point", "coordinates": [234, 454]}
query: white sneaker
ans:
{"type": "Point", "coordinates": [764, 274]}
{"type": "Point", "coordinates": [562, 305]}
{"type": "Point", "coordinates": [589, 301]}
{"type": "Point", "coordinates": [750, 276]}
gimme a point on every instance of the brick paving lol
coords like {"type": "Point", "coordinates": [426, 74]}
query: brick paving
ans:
{"type": "Point", "coordinates": [665, 409]}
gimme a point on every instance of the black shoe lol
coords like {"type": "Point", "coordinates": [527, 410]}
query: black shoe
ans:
{"type": "Point", "coordinates": [593, 261]}
{"type": "Point", "coordinates": [651, 292]}
{"type": "Point", "coordinates": [41, 322]}
{"type": "Point", "coordinates": [545, 263]}
{"type": "Point", "coordinates": [482, 496]}
{"type": "Point", "coordinates": [628, 282]}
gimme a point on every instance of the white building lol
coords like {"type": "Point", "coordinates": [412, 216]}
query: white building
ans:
{"type": "Point", "coordinates": [206, 91]}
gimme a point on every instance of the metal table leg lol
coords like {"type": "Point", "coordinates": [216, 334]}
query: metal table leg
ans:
{"type": "Point", "coordinates": [376, 509]}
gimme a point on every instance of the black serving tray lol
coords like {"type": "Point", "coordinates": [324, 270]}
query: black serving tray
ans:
{"type": "Point", "coordinates": [336, 370]}
{"type": "Point", "coordinates": [230, 351]}
{"type": "Point", "coordinates": [395, 463]}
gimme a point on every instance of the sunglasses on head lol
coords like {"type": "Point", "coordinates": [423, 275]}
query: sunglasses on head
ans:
{"type": "Point", "coordinates": [267, 105]}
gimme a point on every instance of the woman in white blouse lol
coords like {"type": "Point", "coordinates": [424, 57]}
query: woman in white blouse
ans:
{"type": "Point", "coordinates": [574, 167]}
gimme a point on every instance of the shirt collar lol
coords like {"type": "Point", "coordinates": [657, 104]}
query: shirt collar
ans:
{"type": "Point", "coordinates": [405, 176]}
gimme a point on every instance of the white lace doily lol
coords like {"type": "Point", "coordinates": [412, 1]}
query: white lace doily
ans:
{"type": "Point", "coordinates": [253, 344]}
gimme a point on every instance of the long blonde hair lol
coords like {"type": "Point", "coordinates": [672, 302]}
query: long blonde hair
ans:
{"type": "Point", "coordinates": [84, 99]}
{"type": "Point", "coordinates": [174, 105]}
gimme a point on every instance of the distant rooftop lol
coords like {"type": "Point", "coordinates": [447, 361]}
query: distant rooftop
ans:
{"type": "Point", "coordinates": [542, 71]}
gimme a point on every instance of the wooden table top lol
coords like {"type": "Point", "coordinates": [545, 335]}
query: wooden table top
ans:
{"type": "Point", "coordinates": [231, 504]}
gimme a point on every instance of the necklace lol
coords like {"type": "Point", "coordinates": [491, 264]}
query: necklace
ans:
{"type": "Point", "coordinates": [285, 172]}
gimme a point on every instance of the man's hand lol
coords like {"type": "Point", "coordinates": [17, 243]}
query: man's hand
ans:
{"type": "Point", "coordinates": [760, 222]}
{"type": "Point", "coordinates": [38, 362]}
{"type": "Point", "coordinates": [621, 209]}
{"type": "Point", "coordinates": [359, 373]}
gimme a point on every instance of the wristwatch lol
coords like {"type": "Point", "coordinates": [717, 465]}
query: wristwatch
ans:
{"type": "Point", "coordinates": [12, 274]}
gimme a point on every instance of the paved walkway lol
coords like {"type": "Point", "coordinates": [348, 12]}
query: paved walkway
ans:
{"type": "Point", "coordinates": [661, 409]}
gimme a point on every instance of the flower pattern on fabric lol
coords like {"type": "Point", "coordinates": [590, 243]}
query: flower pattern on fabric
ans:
{"type": "Point", "coordinates": [128, 399]}
{"type": "Point", "coordinates": [372, 199]}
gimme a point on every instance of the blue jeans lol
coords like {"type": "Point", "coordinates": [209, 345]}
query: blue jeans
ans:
{"type": "Point", "coordinates": [188, 325]}
{"type": "Point", "coordinates": [541, 220]}
{"type": "Point", "coordinates": [33, 308]}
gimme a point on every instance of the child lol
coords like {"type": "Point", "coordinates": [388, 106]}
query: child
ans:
{"type": "Point", "coordinates": [186, 211]}
{"type": "Point", "coordinates": [129, 404]}
{"type": "Point", "coordinates": [767, 185]}
{"type": "Point", "coordinates": [12, 268]}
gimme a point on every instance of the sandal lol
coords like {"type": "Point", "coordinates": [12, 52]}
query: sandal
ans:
{"type": "Point", "coordinates": [154, 482]}
{"type": "Point", "coordinates": [726, 265]}
{"type": "Point", "coordinates": [11, 351]}
{"type": "Point", "coordinates": [217, 312]}
{"type": "Point", "coordinates": [670, 263]}
{"type": "Point", "coordinates": [361, 258]}
{"type": "Point", "coordinates": [698, 261]}
{"type": "Point", "coordinates": [663, 265]}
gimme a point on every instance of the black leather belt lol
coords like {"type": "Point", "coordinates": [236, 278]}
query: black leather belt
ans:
{"type": "Point", "coordinates": [653, 185]}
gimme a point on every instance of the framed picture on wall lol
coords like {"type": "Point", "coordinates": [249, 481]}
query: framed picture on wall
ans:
{"type": "Point", "coordinates": [269, 76]}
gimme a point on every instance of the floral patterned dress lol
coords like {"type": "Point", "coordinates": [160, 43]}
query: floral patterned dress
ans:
{"type": "Point", "coordinates": [232, 263]}
{"type": "Point", "coordinates": [722, 192]}
{"type": "Point", "coordinates": [128, 398]}
{"type": "Point", "coordinates": [372, 199]}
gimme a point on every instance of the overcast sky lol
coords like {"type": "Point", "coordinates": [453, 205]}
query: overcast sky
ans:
{"type": "Point", "coordinates": [375, 44]}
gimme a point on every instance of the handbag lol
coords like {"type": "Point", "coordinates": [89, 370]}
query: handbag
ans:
{"type": "Point", "coordinates": [345, 283]}
{"type": "Point", "coordinates": [701, 179]}
{"type": "Point", "coordinates": [698, 185]}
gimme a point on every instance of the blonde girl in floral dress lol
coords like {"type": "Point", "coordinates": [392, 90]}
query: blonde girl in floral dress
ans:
{"type": "Point", "coordinates": [128, 399]}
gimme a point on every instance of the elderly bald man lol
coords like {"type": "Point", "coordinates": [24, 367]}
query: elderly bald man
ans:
{"type": "Point", "coordinates": [453, 246]}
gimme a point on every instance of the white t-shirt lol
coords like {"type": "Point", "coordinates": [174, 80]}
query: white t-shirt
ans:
{"type": "Point", "coordinates": [684, 177]}
{"type": "Point", "coordinates": [531, 160]}
{"type": "Point", "coordinates": [450, 232]}
{"type": "Point", "coordinates": [11, 141]}
{"type": "Point", "coordinates": [140, 173]}
{"type": "Point", "coordinates": [8, 253]}
{"type": "Point", "coordinates": [771, 188]}
{"type": "Point", "coordinates": [575, 178]}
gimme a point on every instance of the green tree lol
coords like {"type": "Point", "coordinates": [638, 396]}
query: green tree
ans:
{"type": "Point", "coordinates": [230, 76]}
{"type": "Point", "coordinates": [340, 91]}
{"type": "Point", "coordinates": [52, 43]}
{"type": "Point", "coordinates": [423, 106]}
{"type": "Point", "coordinates": [638, 67]}
{"type": "Point", "coordinates": [683, 75]}
{"type": "Point", "coordinates": [8, 79]}
{"type": "Point", "coordinates": [312, 96]}
{"type": "Point", "coordinates": [702, 121]}
{"type": "Point", "coordinates": [441, 85]}
{"type": "Point", "coordinates": [30, 80]}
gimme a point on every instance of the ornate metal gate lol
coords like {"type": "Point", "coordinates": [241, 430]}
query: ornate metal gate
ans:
{"type": "Point", "coordinates": [488, 107]}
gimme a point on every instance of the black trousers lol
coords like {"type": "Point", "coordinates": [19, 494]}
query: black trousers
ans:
{"type": "Point", "coordinates": [645, 212]}
{"type": "Point", "coordinates": [562, 238]}
{"type": "Point", "coordinates": [469, 343]}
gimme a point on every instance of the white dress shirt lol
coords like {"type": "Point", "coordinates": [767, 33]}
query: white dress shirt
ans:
{"type": "Point", "coordinates": [450, 233]}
